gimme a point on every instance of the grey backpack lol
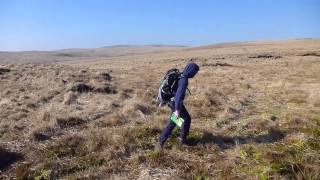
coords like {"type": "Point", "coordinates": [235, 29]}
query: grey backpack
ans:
{"type": "Point", "coordinates": [168, 86]}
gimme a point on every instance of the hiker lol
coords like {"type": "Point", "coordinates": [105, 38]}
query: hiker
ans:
{"type": "Point", "coordinates": [177, 106]}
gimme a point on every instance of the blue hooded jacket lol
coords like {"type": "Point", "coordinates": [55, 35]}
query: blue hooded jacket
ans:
{"type": "Point", "coordinates": [189, 71]}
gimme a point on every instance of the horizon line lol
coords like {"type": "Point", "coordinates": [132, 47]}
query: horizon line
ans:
{"type": "Point", "coordinates": [163, 45]}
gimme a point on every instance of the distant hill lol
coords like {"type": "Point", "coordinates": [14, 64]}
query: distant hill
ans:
{"type": "Point", "coordinates": [107, 52]}
{"type": "Point", "coordinates": [149, 45]}
{"type": "Point", "coordinates": [83, 53]}
{"type": "Point", "coordinates": [255, 43]}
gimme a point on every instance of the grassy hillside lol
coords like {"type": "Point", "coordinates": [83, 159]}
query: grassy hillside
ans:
{"type": "Point", "coordinates": [255, 111]}
{"type": "Point", "coordinates": [82, 54]}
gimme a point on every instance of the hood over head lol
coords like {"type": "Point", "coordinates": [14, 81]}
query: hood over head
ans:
{"type": "Point", "coordinates": [190, 70]}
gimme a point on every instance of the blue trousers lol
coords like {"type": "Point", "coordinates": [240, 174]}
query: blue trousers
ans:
{"type": "Point", "coordinates": [170, 126]}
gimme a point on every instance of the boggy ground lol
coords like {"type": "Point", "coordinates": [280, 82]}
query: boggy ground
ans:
{"type": "Point", "coordinates": [255, 111]}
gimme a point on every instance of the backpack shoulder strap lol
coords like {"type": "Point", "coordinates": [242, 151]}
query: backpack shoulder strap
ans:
{"type": "Point", "coordinates": [181, 76]}
{"type": "Point", "coordinates": [189, 91]}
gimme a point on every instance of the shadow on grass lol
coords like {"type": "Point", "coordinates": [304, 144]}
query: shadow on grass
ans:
{"type": "Point", "coordinates": [226, 142]}
{"type": "Point", "coordinates": [7, 158]}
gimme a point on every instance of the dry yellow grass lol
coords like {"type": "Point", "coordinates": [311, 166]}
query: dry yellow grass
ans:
{"type": "Point", "coordinates": [255, 109]}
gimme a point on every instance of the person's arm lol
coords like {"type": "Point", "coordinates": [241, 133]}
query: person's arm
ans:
{"type": "Point", "coordinates": [182, 86]}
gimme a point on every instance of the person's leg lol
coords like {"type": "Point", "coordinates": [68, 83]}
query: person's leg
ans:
{"type": "Point", "coordinates": [186, 125]}
{"type": "Point", "coordinates": [166, 132]}
{"type": "Point", "coordinates": [170, 126]}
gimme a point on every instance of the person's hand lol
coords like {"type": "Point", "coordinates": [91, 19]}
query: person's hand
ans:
{"type": "Point", "coordinates": [177, 113]}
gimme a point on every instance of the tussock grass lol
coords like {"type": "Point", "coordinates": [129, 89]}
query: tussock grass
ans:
{"type": "Point", "coordinates": [252, 118]}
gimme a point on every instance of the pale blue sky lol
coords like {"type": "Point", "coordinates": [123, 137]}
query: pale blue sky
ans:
{"type": "Point", "coordinates": [58, 24]}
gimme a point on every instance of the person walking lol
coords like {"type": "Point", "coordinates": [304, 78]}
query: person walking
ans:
{"type": "Point", "coordinates": [177, 107]}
